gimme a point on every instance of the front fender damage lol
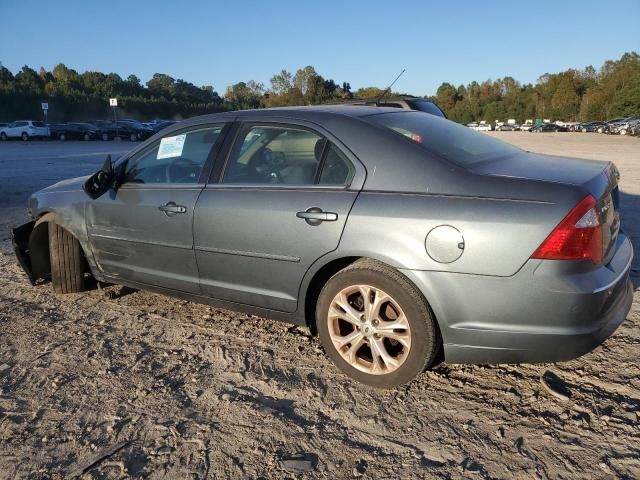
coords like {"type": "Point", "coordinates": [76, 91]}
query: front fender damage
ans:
{"type": "Point", "coordinates": [31, 246]}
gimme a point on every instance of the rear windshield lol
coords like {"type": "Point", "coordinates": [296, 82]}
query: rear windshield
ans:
{"type": "Point", "coordinates": [37, 124]}
{"type": "Point", "coordinates": [427, 107]}
{"type": "Point", "coordinates": [447, 139]}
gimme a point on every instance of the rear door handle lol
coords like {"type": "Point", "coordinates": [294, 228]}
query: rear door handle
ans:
{"type": "Point", "coordinates": [315, 216]}
{"type": "Point", "coordinates": [171, 209]}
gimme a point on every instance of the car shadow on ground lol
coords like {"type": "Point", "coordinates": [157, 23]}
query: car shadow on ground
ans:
{"type": "Point", "coordinates": [630, 217]}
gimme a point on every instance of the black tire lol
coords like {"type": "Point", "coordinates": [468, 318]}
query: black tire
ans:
{"type": "Point", "coordinates": [105, 137]}
{"type": "Point", "coordinates": [133, 137]}
{"type": "Point", "coordinates": [425, 335]}
{"type": "Point", "coordinates": [62, 137]}
{"type": "Point", "coordinates": [3, 137]}
{"type": "Point", "coordinates": [24, 136]}
{"type": "Point", "coordinates": [86, 137]}
{"type": "Point", "coordinates": [67, 261]}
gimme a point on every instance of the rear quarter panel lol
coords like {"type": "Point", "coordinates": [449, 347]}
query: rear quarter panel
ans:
{"type": "Point", "coordinates": [499, 234]}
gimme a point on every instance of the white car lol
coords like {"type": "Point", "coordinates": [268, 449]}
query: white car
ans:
{"type": "Point", "coordinates": [24, 129]}
{"type": "Point", "coordinates": [483, 127]}
{"type": "Point", "coordinates": [525, 127]}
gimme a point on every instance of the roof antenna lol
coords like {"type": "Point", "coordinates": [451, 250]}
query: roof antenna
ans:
{"type": "Point", "coordinates": [389, 87]}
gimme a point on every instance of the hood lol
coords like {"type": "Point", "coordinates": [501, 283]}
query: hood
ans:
{"type": "Point", "coordinates": [546, 168]}
{"type": "Point", "coordinates": [68, 185]}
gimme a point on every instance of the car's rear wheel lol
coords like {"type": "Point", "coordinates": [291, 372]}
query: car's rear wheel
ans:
{"type": "Point", "coordinates": [67, 261]}
{"type": "Point", "coordinates": [24, 136]}
{"type": "Point", "coordinates": [105, 137]}
{"type": "Point", "coordinates": [86, 137]}
{"type": "Point", "coordinates": [375, 325]}
{"type": "Point", "coordinates": [133, 137]}
{"type": "Point", "coordinates": [3, 136]}
{"type": "Point", "coordinates": [62, 137]}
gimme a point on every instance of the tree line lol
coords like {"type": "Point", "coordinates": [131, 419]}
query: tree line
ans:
{"type": "Point", "coordinates": [572, 95]}
{"type": "Point", "coordinates": [589, 94]}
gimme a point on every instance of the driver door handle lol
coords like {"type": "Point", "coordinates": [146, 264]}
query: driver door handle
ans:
{"type": "Point", "coordinates": [315, 216]}
{"type": "Point", "coordinates": [171, 209]}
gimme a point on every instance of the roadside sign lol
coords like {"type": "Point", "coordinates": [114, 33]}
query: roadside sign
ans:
{"type": "Point", "coordinates": [45, 106]}
{"type": "Point", "coordinates": [113, 102]}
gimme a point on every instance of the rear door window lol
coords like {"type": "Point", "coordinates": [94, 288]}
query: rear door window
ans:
{"type": "Point", "coordinates": [277, 155]}
{"type": "Point", "coordinates": [336, 168]}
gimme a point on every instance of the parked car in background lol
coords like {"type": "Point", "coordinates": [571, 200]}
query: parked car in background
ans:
{"type": "Point", "coordinates": [526, 126]}
{"type": "Point", "coordinates": [73, 131]}
{"type": "Point", "coordinates": [621, 127]}
{"type": "Point", "coordinates": [497, 255]}
{"type": "Point", "coordinates": [483, 127]}
{"type": "Point", "coordinates": [604, 128]}
{"type": "Point", "coordinates": [116, 130]}
{"type": "Point", "coordinates": [548, 127]}
{"type": "Point", "coordinates": [142, 131]}
{"type": "Point", "coordinates": [156, 127]}
{"type": "Point", "coordinates": [591, 127]}
{"type": "Point", "coordinates": [634, 128]}
{"type": "Point", "coordinates": [506, 127]}
{"type": "Point", "coordinates": [25, 130]}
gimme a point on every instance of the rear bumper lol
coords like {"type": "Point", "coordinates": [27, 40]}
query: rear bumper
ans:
{"type": "Point", "coordinates": [547, 312]}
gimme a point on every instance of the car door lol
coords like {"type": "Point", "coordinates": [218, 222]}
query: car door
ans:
{"type": "Point", "coordinates": [280, 204]}
{"type": "Point", "coordinates": [7, 129]}
{"type": "Point", "coordinates": [142, 232]}
{"type": "Point", "coordinates": [16, 129]}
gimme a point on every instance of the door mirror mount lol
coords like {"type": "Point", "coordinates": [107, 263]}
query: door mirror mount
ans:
{"type": "Point", "coordinates": [101, 181]}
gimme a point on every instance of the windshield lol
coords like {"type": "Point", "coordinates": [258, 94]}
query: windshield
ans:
{"type": "Point", "coordinates": [447, 139]}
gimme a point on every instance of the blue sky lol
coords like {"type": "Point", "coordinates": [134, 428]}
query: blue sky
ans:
{"type": "Point", "coordinates": [363, 42]}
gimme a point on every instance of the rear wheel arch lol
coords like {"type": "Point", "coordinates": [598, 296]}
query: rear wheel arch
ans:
{"type": "Point", "coordinates": [317, 282]}
{"type": "Point", "coordinates": [324, 274]}
{"type": "Point", "coordinates": [427, 351]}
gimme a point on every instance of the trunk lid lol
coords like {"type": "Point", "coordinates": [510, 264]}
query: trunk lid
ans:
{"type": "Point", "coordinates": [597, 178]}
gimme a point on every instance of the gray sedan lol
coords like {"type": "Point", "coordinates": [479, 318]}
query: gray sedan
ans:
{"type": "Point", "coordinates": [401, 238]}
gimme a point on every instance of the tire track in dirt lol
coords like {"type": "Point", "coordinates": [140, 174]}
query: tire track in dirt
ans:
{"type": "Point", "coordinates": [202, 391]}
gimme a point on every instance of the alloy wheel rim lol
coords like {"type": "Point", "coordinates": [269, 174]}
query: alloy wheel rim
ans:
{"type": "Point", "coordinates": [369, 329]}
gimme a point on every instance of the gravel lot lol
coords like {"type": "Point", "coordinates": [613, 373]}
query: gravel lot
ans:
{"type": "Point", "coordinates": [122, 383]}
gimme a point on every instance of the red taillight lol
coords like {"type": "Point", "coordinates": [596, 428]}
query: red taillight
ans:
{"type": "Point", "coordinates": [577, 236]}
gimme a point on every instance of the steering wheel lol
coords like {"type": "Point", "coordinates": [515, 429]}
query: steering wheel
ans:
{"type": "Point", "coordinates": [170, 173]}
{"type": "Point", "coordinates": [266, 165]}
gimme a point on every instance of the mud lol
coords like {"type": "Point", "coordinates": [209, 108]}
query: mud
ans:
{"type": "Point", "coordinates": [119, 383]}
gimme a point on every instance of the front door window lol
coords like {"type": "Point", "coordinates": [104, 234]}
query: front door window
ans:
{"type": "Point", "coordinates": [176, 158]}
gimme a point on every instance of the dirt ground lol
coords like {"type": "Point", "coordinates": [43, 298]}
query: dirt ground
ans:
{"type": "Point", "coordinates": [122, 383]}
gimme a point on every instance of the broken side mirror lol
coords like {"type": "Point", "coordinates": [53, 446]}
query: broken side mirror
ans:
{"type": "Point", "coordinates": [101, 181]}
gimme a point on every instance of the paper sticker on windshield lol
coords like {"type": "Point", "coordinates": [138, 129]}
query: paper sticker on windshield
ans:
{"type": "Point", "coordinates": [171, 146]}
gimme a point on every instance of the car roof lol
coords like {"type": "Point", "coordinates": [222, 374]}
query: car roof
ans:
{"type": "Point", "coordinates": [309, 112]}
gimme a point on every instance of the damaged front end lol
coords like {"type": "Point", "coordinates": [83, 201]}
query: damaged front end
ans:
{"type": "Point", "coordinates": [31, 246]}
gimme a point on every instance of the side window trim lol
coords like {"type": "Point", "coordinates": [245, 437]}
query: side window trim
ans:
{"type": "Point", "coordinates": [323, 156]}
